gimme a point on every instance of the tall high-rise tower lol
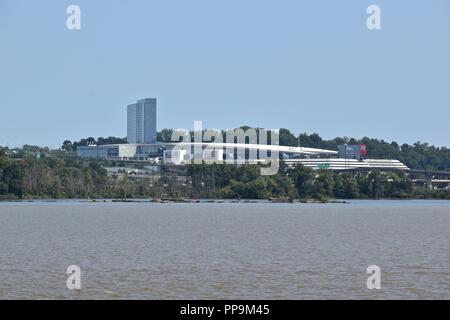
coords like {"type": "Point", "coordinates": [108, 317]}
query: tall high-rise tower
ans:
{"type": "Point", "coordinates": [141, 121]}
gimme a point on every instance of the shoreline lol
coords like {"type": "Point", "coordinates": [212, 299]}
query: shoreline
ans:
{"type": "Point", "coordinates": [217, 201]}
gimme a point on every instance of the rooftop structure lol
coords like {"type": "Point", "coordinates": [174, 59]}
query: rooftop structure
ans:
{"type": "Point", "coordinates": [349, 164]}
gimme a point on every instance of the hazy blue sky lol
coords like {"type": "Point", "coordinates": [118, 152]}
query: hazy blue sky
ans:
{"type": "Point", "coordinates": [309, 66]}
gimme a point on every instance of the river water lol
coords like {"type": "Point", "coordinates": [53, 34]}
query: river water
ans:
{"type": "Point", "coordinates": [225, 250]}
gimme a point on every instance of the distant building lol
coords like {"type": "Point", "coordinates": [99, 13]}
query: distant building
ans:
{"type": "Point", "coordinates": [353, 151]}
{"type": "Point", "coordinates": [141, 122]}
{"type": "Point", "coordinates": [142, 146]}
{"type": "Point", "coordinates": [119, 151]}
{"type": "Point", "coordinates": [185, 156]}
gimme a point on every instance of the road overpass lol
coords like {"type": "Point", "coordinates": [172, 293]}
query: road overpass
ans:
{"type": "Point", "coordinates": [430, 176]}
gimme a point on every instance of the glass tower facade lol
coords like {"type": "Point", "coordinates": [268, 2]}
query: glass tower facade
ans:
{"type": "Point", "coordinates": [141, 121]}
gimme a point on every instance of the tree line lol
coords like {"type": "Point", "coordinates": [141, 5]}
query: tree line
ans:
{"type": "Point", "coordinates": [300, 182]}
{"type": "Point", "coordinates": [39, 172]}
{"type": "Point", "coordinates": [64, 176]}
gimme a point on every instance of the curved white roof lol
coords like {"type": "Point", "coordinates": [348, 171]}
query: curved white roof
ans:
{"type": "Point", "coordinates": [261, 147]}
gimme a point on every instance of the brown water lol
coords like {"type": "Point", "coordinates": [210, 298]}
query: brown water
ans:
{"type": "Point", "coordinates": [225, 251]}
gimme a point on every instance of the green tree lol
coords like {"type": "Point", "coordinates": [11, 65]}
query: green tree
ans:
{"type": "Point", "coordinates": [301, 176]}
{"type": "Point", "coordinates": [67, 145]}
{"type": "Point", "coordinates": [351, 189]}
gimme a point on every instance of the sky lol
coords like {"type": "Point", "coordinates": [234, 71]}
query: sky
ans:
{"type": "Point", "coordinates": [309, 66]}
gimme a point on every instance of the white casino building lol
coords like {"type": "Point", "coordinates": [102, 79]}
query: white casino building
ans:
{"type": "Point", "coordinates": [142, 146]}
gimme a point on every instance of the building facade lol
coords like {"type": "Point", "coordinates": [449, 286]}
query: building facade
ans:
{"type": "Point", "coordinates": [119, 151]}
{"type": "Point", "coordinates": [141, 122]}
{"type": "Point", "coordinates": [354, 151]}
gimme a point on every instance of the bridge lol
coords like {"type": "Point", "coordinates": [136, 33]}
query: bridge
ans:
{"type": "Point", "coordinates": [365, 165]}
{"type": "Point", "coordinates": [430, 176]}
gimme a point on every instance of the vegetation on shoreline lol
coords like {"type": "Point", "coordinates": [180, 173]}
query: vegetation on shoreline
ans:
{"type": "Point", "coordinates": [33, 172]}
{"type": "Point", "coordinates": [63, 176]}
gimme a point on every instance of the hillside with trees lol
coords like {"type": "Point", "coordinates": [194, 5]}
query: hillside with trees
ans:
{"type": "Point", "coordinates": [37, 172]}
